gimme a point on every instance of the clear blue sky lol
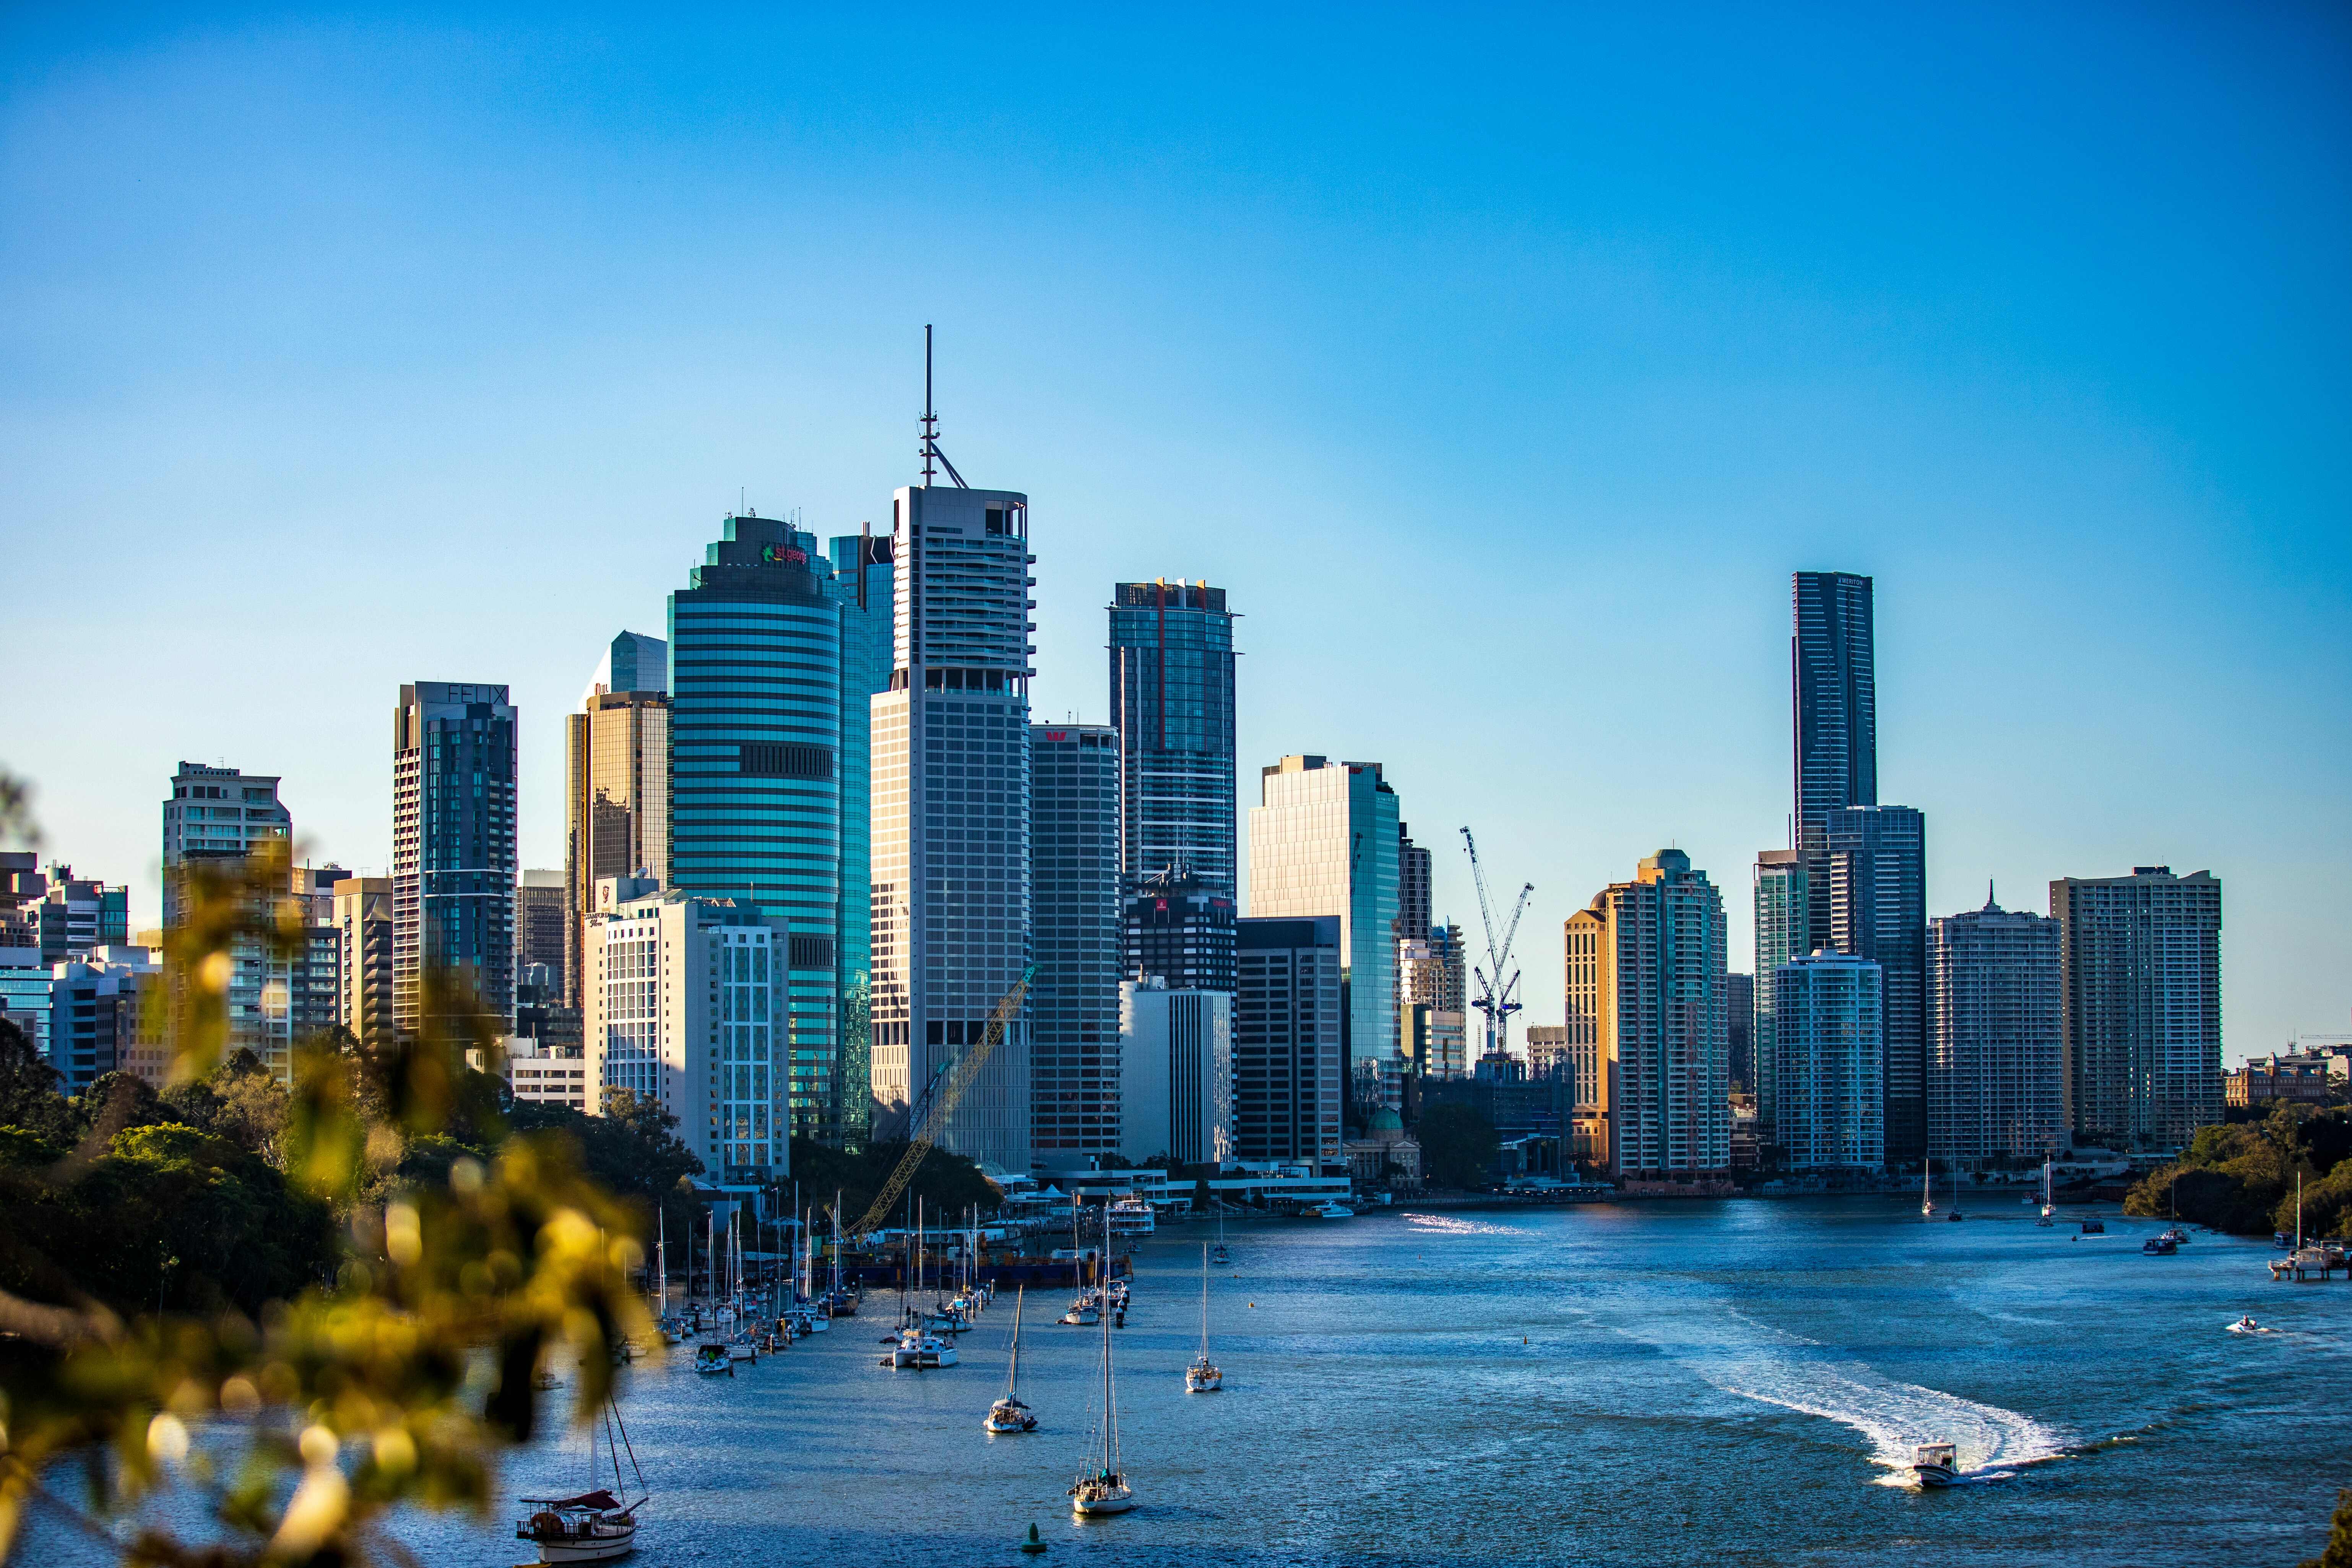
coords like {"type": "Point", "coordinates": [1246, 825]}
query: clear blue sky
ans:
{"type": "Point", "coordinates": [1501, 363]}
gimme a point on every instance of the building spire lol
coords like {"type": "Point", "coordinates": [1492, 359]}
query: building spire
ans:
{"type": "Point", "coordinates": [1990, 905]}
{"type": "Point", "coordinates": [931, 425]}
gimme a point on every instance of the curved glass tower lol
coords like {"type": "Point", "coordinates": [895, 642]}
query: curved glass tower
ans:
{"type": "Point", "coordinates": [755, 774]}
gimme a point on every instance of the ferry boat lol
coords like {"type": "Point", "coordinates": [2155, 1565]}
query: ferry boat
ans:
{"type": "Point", "coordinates": [1131, 1216]}
{"type": "Point", "coordinates": [1936, 1464]}
{"type": "Point", "coordinates": [1331, 1210]}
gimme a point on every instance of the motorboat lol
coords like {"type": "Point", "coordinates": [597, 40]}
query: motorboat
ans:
{"type": "Point", "coordinates": [2160, 1245]}
{"type": "Point", "coordinates": [2246, 1325]}
{"type": "Point", "coordinates": [595, 1526]}
{"type": "Point", "coordinates": [1936, 1464]}
{"type": "Point", "coordinates": [1956, 1214]}
{"type": "Point", "coordinates": [1084, 1312]}
{"type": "Point", "coordinates": [1009, 1414]}
{"type": "Point", "coordinates": [2094, 1228]}
{"type": "Point", "coordinates": [713, 1361]}
{"type": "Point", "coordinates": [1101, 1487]}
{"type": "Point", "coordinates": [2177, 1236]}
{"type": "Point", "coordinates": [1331, 1210]}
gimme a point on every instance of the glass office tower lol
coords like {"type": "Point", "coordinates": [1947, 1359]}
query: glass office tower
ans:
{"type": "Point", "coordinates": [1834, 703]}
{"type": "Point", "coordinates": [861, 585]}
{"type": "Point", "coordinates": [1171, 702]}
{"type": "Point", "coordinates": [755, 786]}
{"type": "Point", "coordinates": [1074, 1004]}
{"type": "Point", "coordinates": [453, 844]}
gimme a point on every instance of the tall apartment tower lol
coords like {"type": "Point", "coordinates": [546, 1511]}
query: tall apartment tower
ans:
{"type": "Point", "coordinates": [2140, 960]}
{"type": "Point", "coordinates": [1324, 842]}
{"type": "Point", "coordinates": [540, 925]}
{"type": "Point", "coordinates": [1179, 930]}
{"type": "Point", "coordinates": [1656, 1001]}
{"type": "Point", "coordinates": [1996, 1036]}
{"type": "Point", "coordinates": [221, 814]}
{"type": "Point", "coordinates": [1827, 1022]}
{"type": "Point", "coordinates": [363, 920]}
{"type": "Point", "coordinates": [1877, 861]}
{"type": "Point", "coordinates": [1414, 901]}
{"type": "Point", "coordinates": [1171, 703]}
{"type": "Point", "coordinates": [616, 760]}
{"type": "Point", "coordinates": [861, 585]}
{"type": "Point", "coordinates": [687, 1003]}
{"type": "Point", "coordinates": [1287, 1077]}
{"type": "Point", "coordinates": [1783, 931]}
{"type": "Point", "coordinates": [453, 844]}
{"type": "Point", "coordinates": [1074, 1002]}
{"type": "Point", "coordinates": [951, 856]}
{"type": "Point", "coordinates": [1834, 703]}
{"type": "Point", "coordinates": [314, 994]}
{"type": "Point", "coordinates": [754, 770]}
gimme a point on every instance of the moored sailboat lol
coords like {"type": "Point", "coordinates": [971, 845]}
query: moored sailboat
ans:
{"type": "Point", "coordinates": [1203, 1376]}
{"type": "Point", "coordinates": [1008, 1414]}
{"type": "Point", "coordinates": [1101, 1487]}
{"type": "Point", "coordinates": [595, 1526]}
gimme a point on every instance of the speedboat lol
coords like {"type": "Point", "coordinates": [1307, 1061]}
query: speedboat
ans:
{"type": "Point", "coordinates": [2175, 1235]}
{"type": "Point", "coordinates": [712, 1360]}
{"type": "Point", "coordinates": [1009, 1414]}
{"type": "Point", "coordinates": [2246, 1325]}
{"type": "Point", "coordinates": [1934, 1464]}
{"type": "Point", "coordinates": [590, 1528]}
{"type": "Point", "coordinates": [1101, 1492]}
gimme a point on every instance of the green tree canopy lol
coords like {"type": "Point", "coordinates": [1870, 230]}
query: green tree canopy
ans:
{"type": "Point", "coordinates": [1458, 1146]}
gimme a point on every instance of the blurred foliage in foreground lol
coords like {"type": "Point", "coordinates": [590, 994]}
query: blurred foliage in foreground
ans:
{"type": "Point", "coordinates": [327, 1256]}
{"type": "Point", "coordinates": [2240, 1176]}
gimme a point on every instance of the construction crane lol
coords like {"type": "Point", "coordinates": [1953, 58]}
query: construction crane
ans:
{"type": "Point", "coordinates": [1496, 994]}
{"type": "Point", "coordinates": [939, 1103]}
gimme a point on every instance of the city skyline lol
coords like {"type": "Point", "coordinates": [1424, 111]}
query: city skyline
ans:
{"type": "Point", "coordinates": [2027, 481]}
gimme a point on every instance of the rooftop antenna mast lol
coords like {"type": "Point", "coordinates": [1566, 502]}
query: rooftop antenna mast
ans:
{"type": "Point", "coordinates": [931, 452]}
{"type": "Point", "coordinates": [1496, 994]}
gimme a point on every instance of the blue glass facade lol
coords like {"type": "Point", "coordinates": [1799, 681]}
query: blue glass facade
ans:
{"type": "Point", "coordinates": [755, 645]}
{"type": "Point", "coordinates": [1171, 702]}
{"type": "Point", "coordinates": [453, 848]}
{"type": "Point", "coordinates": [863, 586]}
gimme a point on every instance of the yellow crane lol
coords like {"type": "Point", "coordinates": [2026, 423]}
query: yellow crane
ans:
{"type": "Point", "coordinates": [943, 1103]}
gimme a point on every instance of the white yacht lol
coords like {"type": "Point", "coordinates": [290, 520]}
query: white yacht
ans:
{"type": "Point", "coordinates": [1008, 1414]}
{"type": "Point", "coordinates": [1936, 1464]}
{"type": "Point", "coordinates": [1332, 1209]}
{"type": "Point", "coordinates": [920, 1349]}
{"type": "Point", "coordinates": [1085, 1313]}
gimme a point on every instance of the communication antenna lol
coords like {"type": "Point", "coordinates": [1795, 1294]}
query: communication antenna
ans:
{"type": "Point", "coordinates": [931, 452]}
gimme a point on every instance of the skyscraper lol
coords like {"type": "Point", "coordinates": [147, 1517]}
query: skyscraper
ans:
{"type": "Point", "coordinates": [1834, 700]}
{"type": "Point", "coordinates": [1740, 1003]}
{"type": "Point", "coordinates": [1414, 901]}
{"type": "Point", "coordinates": [1324, 842]}
{"type": "Point", "coordinates": [861, 583]}
{"type": "Point", "coordinates": [1826, 1023]}
{"type": "Point", "coordinates": [1175, 1073]}
{"type": "Point", "coordinates": [950, 857]}
{"type": "Point", "coordinates": [1287, 1013]}
{"type": "Point", "coordinates": [1180, 930]}
{"type": "Point", "coordinates": [755, 776]}
{"type": "Point", "coordinates": [1877, 862]}
{"type": "Point", "coordinates": [1171, 703]}
{"type": "Point", "coordinates": [540, 925]}
{"type": "Point", "coordinates": [453, 844]}
{"type": "Point", "coordinates": [2140, 962]}
{"type": "Point", "coordinates": [1656, 1002]}
{"type": "Point", "coordinates": [1783, 928]}
{"type": "Point", "coordinates": [223, 816]}
{"type": "Point", "coordinates": [1074, 1006]}
{"type": "Point", "coordinates": [1996, 1036]}
{"type": "Point", "coordinates": [617, 784]}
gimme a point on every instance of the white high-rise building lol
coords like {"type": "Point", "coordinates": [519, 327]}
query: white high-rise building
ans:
{"type": "Point", "coordinates": [950, 878]}
{"type": "Point", "coordinates": [687, 1006]}
{"type": "Point", "coordinates": [220, 815]}
{"type": "Point", "coordinates": [1996, 1036]}
{"type": "Point", "coordinates": [1175, 1073]}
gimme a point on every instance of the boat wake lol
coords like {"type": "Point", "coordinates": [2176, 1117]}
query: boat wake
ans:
{"type": "Point", "coordinates": [1770, 1366]}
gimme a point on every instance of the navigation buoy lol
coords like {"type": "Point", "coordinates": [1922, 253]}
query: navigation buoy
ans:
{"type": "Point", "coordinates": [1032, 1546]}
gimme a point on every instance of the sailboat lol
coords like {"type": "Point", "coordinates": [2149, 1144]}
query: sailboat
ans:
{"type": "Point", "coordinates": [1217, 1254]}
{"type": "Point", "coordinates": [1926, 1190]}
{"type": "Point", "coordinates": [1101, 1487]}
{"type": "Point", "coordinates": [595, 1526]}
{"type": "Point", "coordinates": [2048, 1208]}
{"type": "Point", "coordinates": [1008, 1413]}
{"type": "Point", "coordinates": [1203, 1376]}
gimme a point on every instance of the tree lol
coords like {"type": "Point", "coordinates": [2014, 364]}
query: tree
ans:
{"type": "Point", "coordinates": [28, 1088]}
{"type": "Point", "coordinates": [1458, 1146]}
{"type": "Point", "coordinates": [516, 1249]}
{"type": "Point", "coordinates": [946, 1184]}
{"type": "Point", "coordinates": [2338, 1553]}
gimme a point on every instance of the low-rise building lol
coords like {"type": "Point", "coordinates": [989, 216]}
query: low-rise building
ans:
{"type": "Point", "coordinates": [2265, 1080]}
